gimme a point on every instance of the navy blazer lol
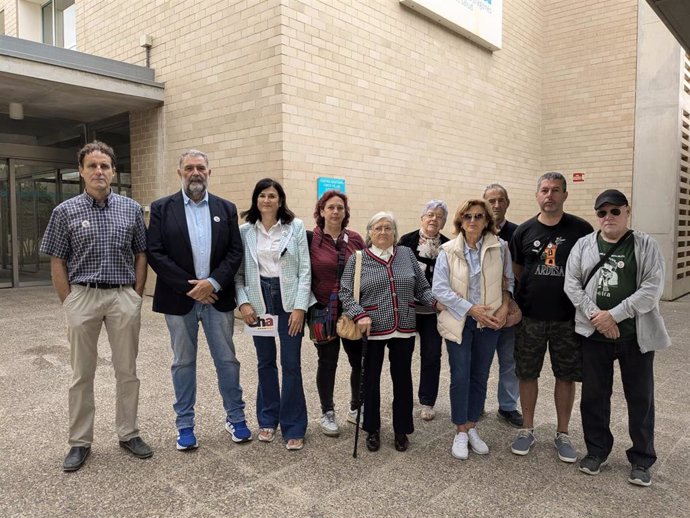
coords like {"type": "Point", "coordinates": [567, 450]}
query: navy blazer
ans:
{"type": "Point", "coordinates": [170, 253]}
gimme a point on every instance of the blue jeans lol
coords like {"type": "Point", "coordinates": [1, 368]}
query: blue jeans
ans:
{"type": "Point", "coordinates": [470, 363]}
{"type": "Point", "coordinates": [274, 405]}
{"type": "Point", "coordinates": [508, 388]}
{"type": "Point", "coordinates": [430, 355]}
{"type": "Point", "coordinates": [184, 331]}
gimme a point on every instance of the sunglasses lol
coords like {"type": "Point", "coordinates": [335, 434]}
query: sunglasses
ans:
{"type": "Point", "coordinates": [614, 212]}
{"type": "Point", "coordinates": [470, 217]}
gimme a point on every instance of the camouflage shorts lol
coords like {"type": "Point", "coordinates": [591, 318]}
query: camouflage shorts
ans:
{"type": "Point", "coordinates": [564, 345]}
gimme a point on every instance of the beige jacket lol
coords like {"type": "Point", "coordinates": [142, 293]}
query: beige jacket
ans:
{"type": "Point", "coordinates": [491, 261]}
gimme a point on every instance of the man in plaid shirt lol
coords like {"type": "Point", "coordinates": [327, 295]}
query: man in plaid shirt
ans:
{"type": "Point", "coordinates": [97, 244]}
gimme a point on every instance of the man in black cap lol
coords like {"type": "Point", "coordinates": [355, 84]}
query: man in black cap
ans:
{"type": "Point", "coordinates": [615, 279]}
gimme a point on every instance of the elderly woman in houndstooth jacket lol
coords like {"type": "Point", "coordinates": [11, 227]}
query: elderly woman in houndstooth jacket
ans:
{"type": "Point", "coordinates": [391, 280]}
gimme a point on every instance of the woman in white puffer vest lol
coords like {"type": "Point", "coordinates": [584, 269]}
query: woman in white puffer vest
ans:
{"type": "Point", "coordinates": [473, 279]}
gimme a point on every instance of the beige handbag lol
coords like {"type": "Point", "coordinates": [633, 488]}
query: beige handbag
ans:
{"type": "Point", "coordinates": [346, 327]}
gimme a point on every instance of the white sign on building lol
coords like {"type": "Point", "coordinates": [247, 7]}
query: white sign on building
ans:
{"type": "Point", "coordinates": [478, 20]}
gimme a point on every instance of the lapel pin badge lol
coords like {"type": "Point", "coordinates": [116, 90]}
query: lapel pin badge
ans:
{"type": "Point", "coordinates": [216, 219]}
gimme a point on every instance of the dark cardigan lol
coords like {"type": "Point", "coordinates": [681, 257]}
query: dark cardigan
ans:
{"type": "Point", "coordinates": [411, 241]}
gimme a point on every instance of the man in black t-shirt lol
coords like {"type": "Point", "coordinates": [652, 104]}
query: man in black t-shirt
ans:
{"type": "Point", "coordinates": [540, 248]}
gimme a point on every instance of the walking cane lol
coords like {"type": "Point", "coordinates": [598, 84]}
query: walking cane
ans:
{"type": "Point", "coordinates": [361, 392]}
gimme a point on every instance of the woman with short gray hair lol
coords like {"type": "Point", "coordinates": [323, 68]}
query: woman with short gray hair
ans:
{"type": "Point", "coordinates": [425, 243]}
{"type": "Point", "coordinates": [391, 280]}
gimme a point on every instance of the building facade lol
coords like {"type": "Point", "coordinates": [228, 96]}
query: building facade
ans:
{"type": "Point", "coordinates": [399, 106]}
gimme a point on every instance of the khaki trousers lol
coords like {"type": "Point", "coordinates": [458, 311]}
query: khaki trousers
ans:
{"type": "Point", "coordinates": [86, 309]}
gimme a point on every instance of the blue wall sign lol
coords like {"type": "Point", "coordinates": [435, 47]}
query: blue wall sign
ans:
{"type": "Point", "coordinates": [326, 184]}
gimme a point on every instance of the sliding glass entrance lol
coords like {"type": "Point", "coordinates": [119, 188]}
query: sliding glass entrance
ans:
{"type": "Point", "coordinates": [29, 190]}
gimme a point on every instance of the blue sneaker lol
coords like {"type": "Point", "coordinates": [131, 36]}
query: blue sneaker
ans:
{"type": "Point", "coordinates": [186, 440]}
{"type": "Point", "coordinates": [238, 431]}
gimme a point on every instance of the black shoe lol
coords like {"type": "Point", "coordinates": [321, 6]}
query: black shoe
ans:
{"type": "Point", "coordinates": [76, 458]}
{"type": "Point", "coordinates": [592, 464]}
{"type": "Point", "coordinates": [401, 442]}
{"type": "Point", "coordinates": [137, 447]}
{"type": "Point", "coordinates": [373, 441]}
{"type": "Point", "coordinates": [513, 417]}
{"type": "Point", "coordinates": [640, 476]}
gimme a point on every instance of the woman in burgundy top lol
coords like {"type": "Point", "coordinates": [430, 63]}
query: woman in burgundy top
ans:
{"type": "Point", "coordinates": [331, 245]}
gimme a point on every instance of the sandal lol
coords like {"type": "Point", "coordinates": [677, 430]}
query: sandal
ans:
{"type": "Point", "coordinates": [267, 434]}
{"type": "Point", "coordinates": [295, 444]}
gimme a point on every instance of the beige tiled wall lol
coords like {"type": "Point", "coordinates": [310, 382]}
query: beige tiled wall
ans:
{"type": "Point", "coordinates": [10, 8]}
{"type": "Point", "coordinates": [589, 95]}
{"type": "Point", "coordinates": [402, 108]}
{"type": "Point", "coordinates": [220, 62]}
{"type": "Point", "coordinates": [406, 110]}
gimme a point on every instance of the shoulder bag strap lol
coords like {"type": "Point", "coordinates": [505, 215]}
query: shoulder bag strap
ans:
{"type": "Point", "coordinates": [603, 260]}
{"type": "Point", "coordinates": [358, 274]}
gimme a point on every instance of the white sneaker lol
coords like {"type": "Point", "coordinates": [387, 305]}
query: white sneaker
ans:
{"type": "Point", "coordinates": [478, 446]}
{"type": "Point", "coordinates": [459, 449]}
{"type": "Point", "coordinates": [329, 425]}
{"type": "Point", "coordinates": [352, 417]}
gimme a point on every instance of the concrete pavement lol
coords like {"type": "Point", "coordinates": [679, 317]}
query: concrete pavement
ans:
{"type": "Point", "coordinates": [256, 479]}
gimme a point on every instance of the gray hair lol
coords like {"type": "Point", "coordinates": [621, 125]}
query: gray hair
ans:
{"type": "Point", "coordinates": [193, 152]}
{"type": "Point", "coordinates": [375, 219]}
{"type": "Point", "coordinates": [498, 187]}
{"type": "Point", "coordinates": [436, 204]}
{"type": "Point", "coordinates": [554, 176]}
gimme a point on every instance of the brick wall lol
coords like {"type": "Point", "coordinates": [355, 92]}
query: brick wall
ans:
{"type": "Point", "coordinates": [402, 108]}
{"type": "Point", "coordinates": [406, 110]}
{"type": "Point", "coordinates": [589, 95]}
{"type": "Point", "coordinates": [10, 8]}
{"type": "Point", "coordinates": [220, 62]}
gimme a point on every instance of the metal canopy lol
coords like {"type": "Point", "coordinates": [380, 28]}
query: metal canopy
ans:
{"type": "Point", "coordinates": [55, 83]}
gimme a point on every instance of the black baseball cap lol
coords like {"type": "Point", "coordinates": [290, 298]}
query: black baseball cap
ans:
{"type": "Point", "coordinates": [612, 196]}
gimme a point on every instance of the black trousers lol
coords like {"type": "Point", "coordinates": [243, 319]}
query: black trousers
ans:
{"type": "Point", "coordinates": [328, 363]}
{"type": "Point", "coordinates": [400, 356]}
{"type": "Point", "coordinates": [430, 355]}
{"type": "Point", "coordinates": [637, 374]}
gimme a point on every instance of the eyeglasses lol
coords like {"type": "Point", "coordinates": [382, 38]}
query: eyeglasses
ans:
{"type": "Point", "coordinates": [433, 215]}
{"type": "Point", "coordinates": [381, 230]}
{"type": "Point", "coordinates": [603, 213]}
{"type": "Point", "coordinates": [469, 217]}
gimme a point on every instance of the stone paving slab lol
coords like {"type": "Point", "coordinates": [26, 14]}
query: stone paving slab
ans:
{"type": "Point", "coordinates": [256, 479]}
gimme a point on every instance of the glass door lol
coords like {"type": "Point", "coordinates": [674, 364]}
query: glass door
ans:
{"type": "Point", "coordinates": [5, 228]}
{"type": "Point", "coordinates": [34, 190]}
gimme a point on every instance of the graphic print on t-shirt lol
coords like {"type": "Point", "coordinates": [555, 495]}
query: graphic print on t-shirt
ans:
{"type": "Point", "coordinates": [546, 262]}
{"type": "Point", "coordinates": [609, 277]}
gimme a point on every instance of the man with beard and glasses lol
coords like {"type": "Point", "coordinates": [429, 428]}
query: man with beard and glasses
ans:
{"type": "Point", "coordinates": [195, 249]}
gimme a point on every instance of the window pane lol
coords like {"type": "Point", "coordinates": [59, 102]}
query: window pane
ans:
{"type": "Point", "coordinates": [47, 16]}
{"type": "Point", "coordinates": [69, 27]}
